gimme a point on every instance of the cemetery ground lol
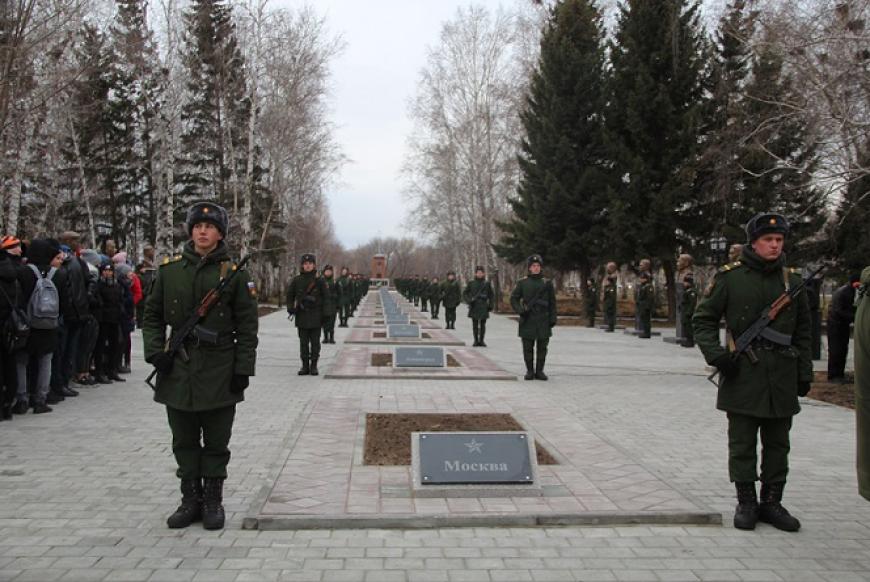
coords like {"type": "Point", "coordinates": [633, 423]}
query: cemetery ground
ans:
{"type": "Point", "coordinates": [85, 490]}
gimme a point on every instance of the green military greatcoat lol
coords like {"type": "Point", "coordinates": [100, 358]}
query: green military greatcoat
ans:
{"type": "Point", "coordinates": [203, 382]}
{"type": "Point", "coordinates": [479, 296]}
{"type": "Point", "coordinates": [345, 290]}
{"type": "Point", "coordinates": [451, 294]}
{"type": "Point", "coordinates": [534, 299]}
{"type": "Point", "coordinates": [862, 382]}
{"type": "Point", "coordinates": [330, 297]}
{"type": "Point", "coordinates": [740, 291]}
{"type": "Point", "coordinates": [306, 295]}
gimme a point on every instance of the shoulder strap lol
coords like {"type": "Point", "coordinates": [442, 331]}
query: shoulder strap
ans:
{"type": "Point", "coordinates": [785, 274]}
{"type": "Point", "coordinates": [11, 304]}
{"type": "Point", "coordinates": [35, 270]}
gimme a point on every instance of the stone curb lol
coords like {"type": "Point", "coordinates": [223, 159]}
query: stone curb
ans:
{"type": "Point", "coordinates": [407, 521]}
{"type": "Point", "coordinates": [413, 377]}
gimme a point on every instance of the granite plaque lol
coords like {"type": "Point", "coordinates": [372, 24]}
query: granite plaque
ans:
{"type": "Point", "coordinates": [421, 357]}
{"type": "Point", "coordinates": [409, 331]}
{"type": "Point", "coordinates": [397, 319]}
{"type": "Point", "coordinates": [474, 457]}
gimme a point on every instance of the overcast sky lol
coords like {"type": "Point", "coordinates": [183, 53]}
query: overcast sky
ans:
{"type": "Point", "coordinates": [386, 42]}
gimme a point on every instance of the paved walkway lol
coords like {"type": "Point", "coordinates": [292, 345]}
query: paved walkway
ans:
{"type": "Point", "coordinates": [84, 491]}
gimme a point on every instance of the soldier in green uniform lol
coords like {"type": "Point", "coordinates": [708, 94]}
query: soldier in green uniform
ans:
{"type": "Point", "coordinates": [534, 299]}
{"type": "Point", "coordinates": [435, 297]}
{"type": "Point", "coordinates": [424, 294]}
{"type": "Point", "coordinates": [591, 301]}
{"type": "Point", "coordinates": [479, 296]}
{"type": "Point", "coordinates": [608, 298]}
{"type": "Point", "coordinates": [759, 389]}
{"type": "Point", "coordinates": [345, 296]}
{"type": "Point", "coordinates": [330, 304]}
{"type": "Point", "coordinates": [451, 294]}
{"type": "Point", "coordinates": [690, 301]}
{"type": "Point", "coordinates": [644, 305]}
{"type": "Point", "coordinates": [305, 297]}
{"type": "Point", "coordinates": [862, 382]}
{"type": "Point", "coordinates": [201, 387]}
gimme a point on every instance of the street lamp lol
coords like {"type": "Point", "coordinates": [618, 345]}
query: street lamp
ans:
{"type": "Point", "coordinates": [719, 248]}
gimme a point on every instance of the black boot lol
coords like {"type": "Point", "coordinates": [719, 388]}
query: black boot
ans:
{"type": "Point", "coordinates": [482, 334]}
{"type": "Point", "coordinates": [313, 370]}
{"type": "Point", "coordinates": [305, 369]}
{"type": "Point", "coordinates": [530, 370]}
{"type": "Point", "coordinates": [771, 510]}
{"type": "Point", "coordinates": [746, 513]}
{"type": "Point", "coordinates": [539, 369]}
{"type": "Point", "coordinates": [190, 510]}
{"type": "Point", "coordinates": [212, 499]}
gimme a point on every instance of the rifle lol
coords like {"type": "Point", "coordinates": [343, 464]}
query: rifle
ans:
{"type": "Point", "coordinates": [760, 328]}
{"type": "Point", "coordinates": [477, 296]}
{"type": "Point", "coordinates": [528, 306]}
{"type": "Point", "coordinates": [175, 345]}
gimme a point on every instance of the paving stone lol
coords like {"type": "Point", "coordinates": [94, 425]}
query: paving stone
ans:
{"type": "Point", "coordinates": [119, 470]}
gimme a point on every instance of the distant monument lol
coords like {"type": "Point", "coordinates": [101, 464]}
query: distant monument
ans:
{"type": "Point", "coordinates": [379, 266]}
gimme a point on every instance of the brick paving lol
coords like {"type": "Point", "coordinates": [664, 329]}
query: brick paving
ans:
{"type": "Point", "coordinates": [85, 490]}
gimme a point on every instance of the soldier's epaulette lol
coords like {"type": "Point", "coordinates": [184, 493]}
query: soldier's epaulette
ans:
{"type": "Point", "coordinates": [170, 260]}
{"type": "Point", "coordinates": [729, 267]}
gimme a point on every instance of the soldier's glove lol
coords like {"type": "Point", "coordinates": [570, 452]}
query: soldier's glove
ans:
{"type": "Point", "coordinates": [239, 383]}
{"type": "Point", "coordinates": [803, 388]}
{"type": "Point", "coordinates": [162, 361]}
{"type": "Point", "coordinates": [726, 366]}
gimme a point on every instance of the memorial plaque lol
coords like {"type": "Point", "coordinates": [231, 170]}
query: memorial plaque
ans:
{"type": "Point", "coordinates": [474, 457]}
{"type": "Point", "coordinates": [422, 357]}
{"type": "Point", "coordinates": [409, 331]}
{"type": "Point", "coordinates": [397, 319]}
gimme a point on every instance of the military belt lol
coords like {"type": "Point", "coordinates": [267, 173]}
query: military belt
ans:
{"type": "Point", "coordinates": [204, 337]}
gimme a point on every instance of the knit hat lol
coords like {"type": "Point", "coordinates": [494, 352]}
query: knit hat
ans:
{"type": "Point", "coordinates": [120, 258]}
{"type": "Point", "coordinates": [90, 256]}
{"type": "Point", "coordinates": [8, 242]}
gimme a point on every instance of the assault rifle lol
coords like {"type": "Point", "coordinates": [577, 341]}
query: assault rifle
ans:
{"type": "Point", "coordinates": [175, 345]}
{"type": "Point", "coordinates": [760, 328]}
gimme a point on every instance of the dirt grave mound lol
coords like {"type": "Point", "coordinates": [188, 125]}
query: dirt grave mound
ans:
{"type": "Point", "coordinates": [388, 436]}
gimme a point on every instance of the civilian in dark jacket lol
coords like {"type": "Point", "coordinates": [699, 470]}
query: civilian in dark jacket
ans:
{"type": "Point", "coordinates": [128, 316]}
{"type": "Point", "coordinates": [44, 254]}
{"type": "Point", "coordinates": [841, 314]}
{"type": "Point", "coordinates": [10, 295]}
{"type": "Point", "coordinates": [109, 316]}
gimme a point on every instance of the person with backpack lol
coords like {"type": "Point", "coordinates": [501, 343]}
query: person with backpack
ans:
{"type": "Point", "coordinates": [107, 350]}
{"type": "Point", "coordinates": [45, 287]}
{"type": "Point", "coordinates": [11, 300]}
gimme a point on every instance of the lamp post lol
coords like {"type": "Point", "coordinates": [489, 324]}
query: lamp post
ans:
{"type": "Point", "coordinates": [719, 248]}
{"type": "Point", "coordinates": [104, 231]}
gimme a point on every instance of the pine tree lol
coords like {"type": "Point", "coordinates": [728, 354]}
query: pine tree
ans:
{"type": "Point", "coordinates": [660, 68]}
{"type": "Point", "coordinates": [559, 207]}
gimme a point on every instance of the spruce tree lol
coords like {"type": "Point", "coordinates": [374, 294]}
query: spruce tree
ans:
{"type": "Point", "coordinates": [136, 102]}
{"type": "Point", "coordinates": [718, 170]}
{"type": "Point", "coordinates": [778, 158]}
{"type": "Point", "coordinates": [216, 112]}
{"type": "Point", "coordinates": [559, 208]}
{"type": "Point", "coordinates": [852, 220]}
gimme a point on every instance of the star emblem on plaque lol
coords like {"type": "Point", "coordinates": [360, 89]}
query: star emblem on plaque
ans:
{"type": "Point", "coordinates": [474, 446]}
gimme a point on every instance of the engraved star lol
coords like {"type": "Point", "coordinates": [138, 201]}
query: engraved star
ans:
{"type": "Point", "coordinates": [474, 446]}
